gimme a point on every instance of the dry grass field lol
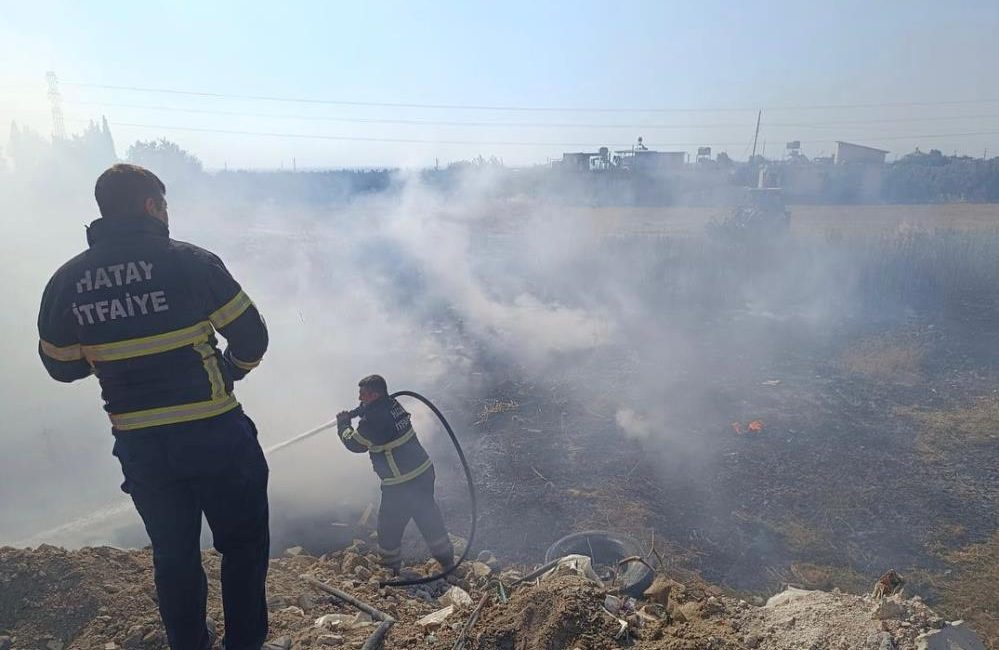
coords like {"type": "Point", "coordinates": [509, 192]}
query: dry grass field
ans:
{"type": "Point", "coordinates": [854, 219]}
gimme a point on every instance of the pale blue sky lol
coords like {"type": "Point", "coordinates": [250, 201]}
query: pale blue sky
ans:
{"type": "Point", "coordinates": [624, 55]}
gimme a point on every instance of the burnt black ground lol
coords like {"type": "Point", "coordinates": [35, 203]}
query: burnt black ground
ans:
{"type": "Point", "coordinates": [835, 461]}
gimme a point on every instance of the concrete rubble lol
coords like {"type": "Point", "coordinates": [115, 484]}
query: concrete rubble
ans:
{"type": "Point", "coordinates": [568, 606]}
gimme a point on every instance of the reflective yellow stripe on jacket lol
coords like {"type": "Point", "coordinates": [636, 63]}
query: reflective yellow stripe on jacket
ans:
{"type": "Point", "coordinates": [408, 476]}
{"type": "Point", "coordinates": [65, 353]}
{"type": "Point", "coordinates": [244, 365]}
{"type": "Point", "coordinates": [131, 348]}
{"type": "Point", "coordinates": [397, 477]}
{"type": "Point", "coordinates": [231, 310]}
{"type": "Point", "coordinates": [173, 414]}
{"type": "Point", "coordinates": [211, 364]}
{"type": "Point", "coordinates": [392, 444]}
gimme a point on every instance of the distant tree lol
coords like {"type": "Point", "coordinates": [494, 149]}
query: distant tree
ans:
{"type": "Point", "coordinates": [90, 151]}
{"type": "Point", "coordinates": [934, 158]}
{"type": "Point", "coordinates": [27, 149]}
{"type": "Point", "coordinates": [164, 158]}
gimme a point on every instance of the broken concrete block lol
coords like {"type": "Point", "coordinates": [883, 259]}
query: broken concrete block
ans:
{"type": "Point", "coordinates": [888, 610]}
{"type": "Point", "coordinates": [334, 621]}
{"type": "Point", "coordinates": [456, 596]}
{"type": "Point", "coordinates": [788, 595]}
{"type": "Point", "coordinates": [330, 640]}
{"type": "Point", "coordinates": [956, 636]}
{"type": "Point", "coordinates": [435, 620]}
{"type": "Point", "coordinates": [659, 591]}
{"type": "Point", "coordinates": [690, 611]}
{"type": "Point", "coordinates": [480, 569]}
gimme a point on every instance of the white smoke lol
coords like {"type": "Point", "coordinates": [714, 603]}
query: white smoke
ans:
{"type": "Point", "coordinates": [633, 424]}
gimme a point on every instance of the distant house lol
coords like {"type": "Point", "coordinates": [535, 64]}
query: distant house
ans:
{"type": "Point", "coordinates": [847, 153]}
{"type": "Point", "coordinates": [577, 161]}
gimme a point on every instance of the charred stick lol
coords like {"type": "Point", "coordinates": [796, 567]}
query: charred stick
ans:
{"type": "Point", "coordinates": [459, 643]}
{"type": "Point", "coordinates": [378, 636]}
{"type": "Point", "coordinates": [347, 598]}
{"type": "Point", "coordinates": [537, 572]}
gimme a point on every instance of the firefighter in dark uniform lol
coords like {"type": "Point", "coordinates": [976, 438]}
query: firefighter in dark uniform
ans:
{"type": "Point", "coordinates": [141, 311]}
{"type": "Point", "coordinates": [386, 433]}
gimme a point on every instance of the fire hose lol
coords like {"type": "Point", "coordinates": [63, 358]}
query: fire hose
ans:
{"type": "Point", "coordinates": [120, 508]}
{"type": "Point", "coordinates": [404, 582]}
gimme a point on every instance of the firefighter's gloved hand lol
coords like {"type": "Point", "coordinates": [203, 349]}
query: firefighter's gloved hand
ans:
{"type": "Point", "coordinates": [343, 418]}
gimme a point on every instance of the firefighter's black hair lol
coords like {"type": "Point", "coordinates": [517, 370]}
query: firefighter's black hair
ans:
{"type": "Point", "coordinates": [122, 190]}
{"type": "Point", "coordinates": [375, 383]}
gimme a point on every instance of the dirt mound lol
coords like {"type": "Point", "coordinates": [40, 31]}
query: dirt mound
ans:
{"type": "Point", "coordinates": [104, 599]}
{"type": "Point", "coordinates": [49, 596]}
{"type": "Point", "coordinates": [556, 614]}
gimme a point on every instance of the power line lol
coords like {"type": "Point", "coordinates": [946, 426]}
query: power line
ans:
{"type": "Point", "coordinates": [493, 124]}
{"type": "Point", "coordinates": [481, 107]}
{"type": "Point", "coordinates": [503, 142]}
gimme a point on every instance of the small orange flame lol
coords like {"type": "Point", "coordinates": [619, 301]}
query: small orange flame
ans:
{"type": "Point", "coordinates": [737, 428]}
{"type": "Point", "coordinates": [756, 426]}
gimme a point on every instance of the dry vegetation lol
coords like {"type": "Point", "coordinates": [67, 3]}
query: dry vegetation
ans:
{"type": "Point", "coordinates": [885, 358]}
{"type": "Point", "coordinates": [943, 432]}
{"type": "Point", "coordinates": [969, 590]}
{"type": "Point", "coordinates": [857, 219]}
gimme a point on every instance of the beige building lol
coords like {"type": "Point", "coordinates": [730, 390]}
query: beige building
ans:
{"type": "Point", "coordinates": [847, 153]}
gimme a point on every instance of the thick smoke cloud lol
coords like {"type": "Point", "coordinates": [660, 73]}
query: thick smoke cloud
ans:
{"type": "Point", "coordinates": [413, 284]}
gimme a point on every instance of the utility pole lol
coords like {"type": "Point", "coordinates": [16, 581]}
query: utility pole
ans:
{"type": "Point", "coordinates": [55, 101]}
{"type": "Point", "coordinates": [756, 137]}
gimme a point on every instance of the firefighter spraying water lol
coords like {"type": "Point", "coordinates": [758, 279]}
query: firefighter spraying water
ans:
{"type": "Point", "coordinates": [385, 432]}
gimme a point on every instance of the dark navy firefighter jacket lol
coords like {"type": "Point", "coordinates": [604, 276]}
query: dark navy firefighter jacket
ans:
{"type": "Point", "coordinates": [140, 311]}
{"type": "Point", "coordinates": [386, 432]}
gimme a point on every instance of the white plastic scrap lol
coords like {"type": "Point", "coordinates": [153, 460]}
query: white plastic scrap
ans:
{"type": "Point", "coordinates": [436, 619]}
{"type": "Point", "coordinates": [334, 621]}
{"type": "Point", "coordinates": [624, 629]}
{"type": "Point", "coordinates": [579, 564]}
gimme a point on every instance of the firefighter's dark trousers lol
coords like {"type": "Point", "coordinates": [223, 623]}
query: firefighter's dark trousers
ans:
{"type": "Point", "coordinates": [412, 500]}
{"type": "Point", "coordinates": [174, 474]}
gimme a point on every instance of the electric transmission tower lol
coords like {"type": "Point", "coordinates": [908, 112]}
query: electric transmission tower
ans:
{"type": "Point", "coordinates": [55, 102]}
